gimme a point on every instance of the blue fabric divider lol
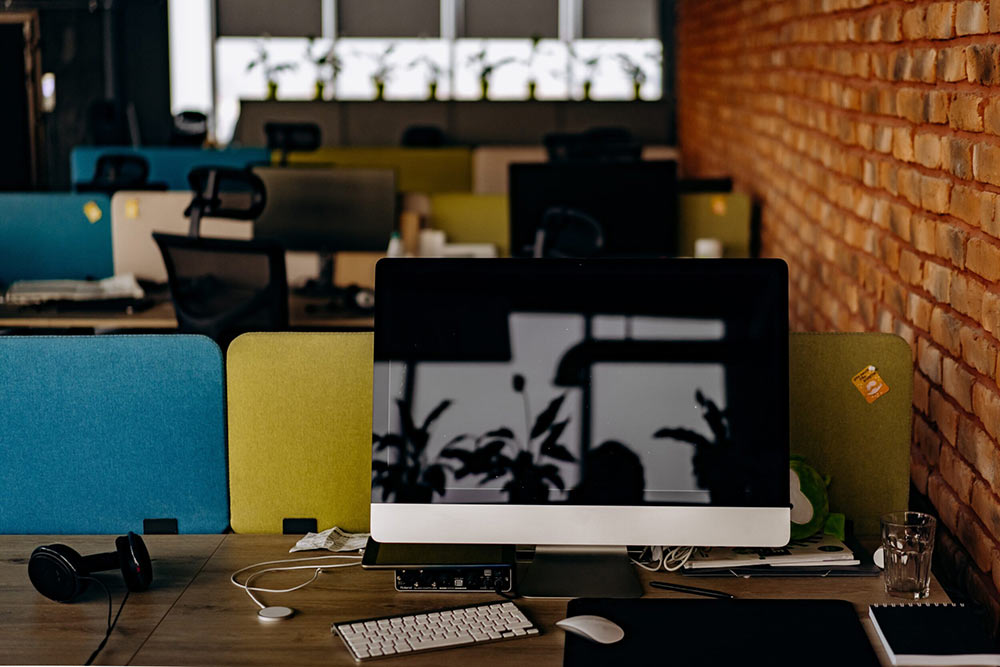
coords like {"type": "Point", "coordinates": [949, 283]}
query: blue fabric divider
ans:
{"type": "Point", "coordinates": [54, 235]}
{"type": "Point", "coordinates": [166, 165]}
{"type": "Point", "coordinates": [102, 432]}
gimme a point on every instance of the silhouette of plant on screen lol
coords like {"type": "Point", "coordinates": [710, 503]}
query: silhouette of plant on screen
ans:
{"type": "Point", "coordinates": [407, 476]}
{"type": "Point", "coordinates": [716, 462]}
{"type": "Point", "coordinates": [499, 453]}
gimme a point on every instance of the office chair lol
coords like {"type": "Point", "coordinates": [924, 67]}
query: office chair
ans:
{"type": "Point", "coordinates": [600, 144]}
{"type": "Point", "coordinates": [190, 128]}
{"type": "Point", "coordinates": [568, 233]}
{"type": "Point", "coordinates": [222, 287]}
{"type": "Point", "coordinates": [224, 192]}
{"type": "Point", "coordinates": [120, 171]}
{"type": "Point", "coordinates": [423, 136]}
{"type": "Point", "coordinates": [288, 137]}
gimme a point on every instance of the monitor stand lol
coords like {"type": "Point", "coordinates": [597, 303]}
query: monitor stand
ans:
{"type": "Point", "coordinates": [574, 572]}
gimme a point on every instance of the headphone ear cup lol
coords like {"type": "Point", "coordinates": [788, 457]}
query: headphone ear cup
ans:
{"type": "Point", "coordinates": [136, 566]}
{"type": "Point", "coordinates": [55, 571]}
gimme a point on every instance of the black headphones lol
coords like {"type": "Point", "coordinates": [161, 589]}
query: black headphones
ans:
{"type": "Point", "coordinates": [60, 573]}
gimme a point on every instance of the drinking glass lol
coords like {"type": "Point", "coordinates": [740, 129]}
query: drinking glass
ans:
{"type": "Point", "coordinates": [908, 544]}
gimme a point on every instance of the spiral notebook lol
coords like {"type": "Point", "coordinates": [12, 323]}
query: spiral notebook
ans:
{"type": "Point", "coordinates": [933, 634]}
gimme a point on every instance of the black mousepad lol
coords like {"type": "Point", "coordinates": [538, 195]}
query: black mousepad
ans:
{"type": "Point", "coordinates": [723, 632]}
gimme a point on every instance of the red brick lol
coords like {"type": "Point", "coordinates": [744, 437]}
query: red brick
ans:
{"type": "Point", "coordinates": [991, 225]}
{"type": "Point", "coordinates": [983, 257]}
{"type": "Point", "coordinates": [911, 104]}
{"type": "Point", "coordinates": [967, 295]}
{"type": "Point", "coordinates": [986, 405]}
{"type": "Point", "coordinates": [927, 149]}
{"type": "Point", "coordinates": [938, 102]}
{"type": "Point", "coordinates": [919, 469]}
{"type": "Point", "coordinates": [957, 382]}
{"type": "Point", "coordinates": [978, 351]}
{"type": "Point", "coordinates": [935, 192]}
{"type": "Point", "coordinates": [941, 20]}
{"type": "Point", "coordinates": [987, 508]}
{"type": "Point", "coordinates": [910, 268]}
{"type": "Point", "coordinates": [902, 144]}
{"type": "Point", "coordinates": [991, 115]}
{"type": "Point", "coordinates": [971, 205]}
{"type": "Point", "coordinates": [951, 244]}
{"type": "Point", "coordinates": [981, 64]}
{"type": "Point", "coordinates": [994, 15]}
{"type": "Point", "coordinates": [921, 392]}
{"type": "Point", "coordinates": [944, 331]}
{"type": "Point", "coordinates": [918, 311]}
{"type": "Point", "coordinates": [957, 158]}
{"type": "Point", "coordinates": [929, 360]}
{"type": "Point", "coordinates": [966, 112]}
{"type": "Point", "coordinates": [971, 18]}
{"type": "Point", "coordinates": [951, 64]}
{"type": "Point", "coordinates": [977, 448]}
{"type": "Point", "coordinates": [991, 313]}
{"type": "Point", "coordinates": [914, 23]}
{"type": "Point", "coordinates": [986, 163]}
{"type": "Point", "coordinates": [945, 501]}
{"type": "Point", "coordinates": [924, 234]}
{"type": "Point", "coordinates": [975, 538]}
{"type": "Point", "coordinates": [957, 473]}
{"type": "Point", "coordinates": [909, 181]}
{"type": "Point", "coordinates": [945, 416]}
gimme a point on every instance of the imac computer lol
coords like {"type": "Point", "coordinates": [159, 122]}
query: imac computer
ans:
{"type": "Point", "coordinates": [327, 210]}
{"type": "Point", "coordinates": [632, 208]}
{"type": "Point", "coordinates": [581, 406]}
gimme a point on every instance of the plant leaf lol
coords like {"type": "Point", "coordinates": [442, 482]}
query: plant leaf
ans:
{"type": "Point", "coordinates": [553, 435]}
{"type": "Point", "coordinates": [434, 477]}
{"type": "Point", "coordinates": [435, 413]}
{"type": "Point", "coordinates": [551, 473]}
{"type": "Point", "coordinates": [556, 451]}
{"type": "Point", "coordinates": [502, 432]}
{"type": "Point", "coordinates": [391, 440]}
{"type": "Point", "coordinates": [548, 416]}
{"type": "Point", "coordinates": [683, 435]}
{"type": "Point", "coordinates": [455, 453]}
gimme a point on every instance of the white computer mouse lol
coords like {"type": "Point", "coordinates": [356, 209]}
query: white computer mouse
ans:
{"type": "Point", "coordinates": [594, 628]}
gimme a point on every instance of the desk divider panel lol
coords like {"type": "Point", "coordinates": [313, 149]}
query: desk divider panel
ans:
{"type": "Point", "coordinates": [48, 236]}
{"type": "Point", "coordinates": [168, 165]}
{"type": "Point", "coordinates": [722, 216]}
{"type": "Point", "coordinates": [300, 436]}
{"type": "Point", "coordinates": [864, 447]}
{"type": "Point", "coordinates": [103, 434]}
{"type": "Point", "coordinates": [417, 169]}
{"type": "Point", "coordinates": [472, 218]}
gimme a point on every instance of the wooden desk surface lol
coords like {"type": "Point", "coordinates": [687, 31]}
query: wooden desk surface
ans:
{"type": "Point", "coordinates": [161, 316]}
{"type": "Point", "coordinates": [211, 621]}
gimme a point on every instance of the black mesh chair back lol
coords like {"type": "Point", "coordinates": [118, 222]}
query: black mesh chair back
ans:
{"type": "Point", "coordinates": [568, 233]}
{"type": "Point", "coordinates": [600, 144]}
{"type": "Point", "coordinates": [222, 287]}
{"type": "Point", "coordinates": [224, 192]}
{"type": "Point", "coordinates": [423, 136]}
{"type": "Point", "coordinates": [190, 128]}
{"type": "Point", "coordinates": [288, 137]}
{"type": "Point", "coordinates": [114, 172]}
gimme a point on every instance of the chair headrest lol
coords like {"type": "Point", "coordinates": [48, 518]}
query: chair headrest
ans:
{"type": "Point", "coordinates": [225, 192]}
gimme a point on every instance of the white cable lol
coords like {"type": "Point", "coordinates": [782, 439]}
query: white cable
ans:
{"type": "Point", "coordinates": [670, 559]}
{"type": "Point", "coordinates": [318, 568]}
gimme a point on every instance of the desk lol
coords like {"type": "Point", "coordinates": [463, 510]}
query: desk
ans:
{"type": "Point", "coordinates": [193, 615]}
{"type": "Point", "coordinates": [161, 316]}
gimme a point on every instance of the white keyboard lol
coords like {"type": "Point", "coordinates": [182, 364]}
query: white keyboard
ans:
{"type": "Point", "coordinates": [462, 626]}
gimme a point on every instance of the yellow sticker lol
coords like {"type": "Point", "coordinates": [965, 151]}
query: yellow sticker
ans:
{"type": "Point", "coordinates": [870, 384]}
{"type": "Point", "coordinates": [132, 209]}
{"type": "Point", "coordinates": [92, 211]}
{"type": "Point", "coordinates": [719, 205]}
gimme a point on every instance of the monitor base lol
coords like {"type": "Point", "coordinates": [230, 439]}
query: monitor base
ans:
{"type": "Point", "coordinates": [575, 572]}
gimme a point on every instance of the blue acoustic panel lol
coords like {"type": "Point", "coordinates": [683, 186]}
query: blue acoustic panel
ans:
{"type": "Point", "coordinates": [166, 165]}
{"type": "Point", "coordinates": [55, 235]}
{"type": "Point", "coordinates": [101, 432]}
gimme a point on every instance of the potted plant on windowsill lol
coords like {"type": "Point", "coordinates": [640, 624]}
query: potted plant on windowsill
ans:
{"type": "Point", "coordinates": [435, 72]}
{"type": "Point", "coordinates": [589, 66]}
{"type": "Point", "coordinates": [383, 70]}
{"type": "Point", "coordinates": [634, 71]}
{"type": "Point", "coordinates": [529, 62]}
{"type": "Point", "coordinates": [486, 70]}
{"type": "Point", "coordinates": [328, 66]}
{"type": "Point", "coordinates": [271, 70]}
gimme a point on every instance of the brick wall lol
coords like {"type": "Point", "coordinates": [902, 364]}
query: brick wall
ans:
{"type": "Point", "coordinates": [870, 132]}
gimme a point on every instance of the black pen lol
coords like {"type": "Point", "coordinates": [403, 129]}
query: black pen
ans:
{"type": "Point", "coordinates": [680, 588]}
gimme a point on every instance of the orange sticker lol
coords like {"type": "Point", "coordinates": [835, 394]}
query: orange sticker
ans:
{"type": "Point", "coordinates": [870, 384]}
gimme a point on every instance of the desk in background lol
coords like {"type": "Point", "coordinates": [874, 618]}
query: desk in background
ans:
{"type": "Point", "coordinates": [193, 615]}
{"type": "Point", "coordinates": [161, 316]}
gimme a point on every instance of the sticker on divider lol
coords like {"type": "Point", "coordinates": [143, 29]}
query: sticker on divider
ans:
{"type": "Point", "coordinates": [870, 384]}
{"type": "Point", "coordinates": [719, 205]}
{"type": "Point", "coordinates": [92, 211]}
{"type": "Point", "coordinates": [132, 209]}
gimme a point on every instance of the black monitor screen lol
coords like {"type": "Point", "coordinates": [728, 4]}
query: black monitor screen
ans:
{"type": "Point", "coordinates": [635, 204]}
{"type": "Point", "coordinates": [595, 382]}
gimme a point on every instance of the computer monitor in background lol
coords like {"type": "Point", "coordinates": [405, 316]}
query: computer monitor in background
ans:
{"type": "Point", "coordinates": [634, 204]}
{"type": "Point", "coordinates": [588, 403]}
{"type": "Point", "coordinates": [328, 210]}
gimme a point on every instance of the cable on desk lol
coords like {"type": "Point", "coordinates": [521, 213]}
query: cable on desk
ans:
{"type": "Point", "coordinates": [669, 559]}
{"type": "Point", "coordinates": [319, 568]}
{"type": "Point", "coordinates": [111, 624]}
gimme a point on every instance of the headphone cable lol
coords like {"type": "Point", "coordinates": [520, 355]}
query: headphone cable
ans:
{"type": "Point", "coordinates": [111, 624]}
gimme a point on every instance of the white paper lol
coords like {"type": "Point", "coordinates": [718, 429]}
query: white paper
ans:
{"type": "Point", "coordinates": [332, 539]}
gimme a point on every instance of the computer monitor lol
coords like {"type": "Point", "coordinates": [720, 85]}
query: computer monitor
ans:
{"type": "Point", "coordinates": [328, 210]}
{"type": "Point", "coordinates": [581, 403]}
{"type": "Point", "coordinates": [635, 205]}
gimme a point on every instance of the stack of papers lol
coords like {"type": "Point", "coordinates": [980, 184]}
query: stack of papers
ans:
{"type": "Point", "coordinates": [815, 551]}
{"type": "Point", "coordinates": [25, 292]}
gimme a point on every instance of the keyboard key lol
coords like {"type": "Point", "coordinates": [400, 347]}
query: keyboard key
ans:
{"type": "Point", "coordinates": [441, 643]}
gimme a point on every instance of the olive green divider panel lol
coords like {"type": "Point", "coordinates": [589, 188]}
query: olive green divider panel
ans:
{"type": "Point", "coordinates": [723, 216]}
{"type": "Point", "coordinates": [300, 435]}
{"type": "Point", "coordinates": [470, 218]}
{"type": "Point", "coordinates": [864, 447]}
{"type": "Point", "coordinates": [417, 169]}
